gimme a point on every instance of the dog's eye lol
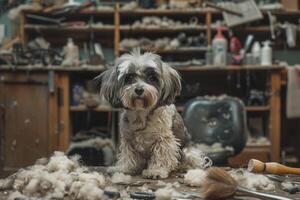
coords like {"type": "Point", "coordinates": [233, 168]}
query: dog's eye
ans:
{"type": "Point", "coordinates": [152, 78]}
{"type": "Point", "coordinates": [129, 79]}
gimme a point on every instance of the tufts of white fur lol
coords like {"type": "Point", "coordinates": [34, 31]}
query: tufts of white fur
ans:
{"type": "Point", "coordinates": [195, 177]}
{"type": "Point", "coordinates": [120, 178]}
{"type": "Point", "coordinates": [61, 162]}
{"type": "Point", "coordinates": [58, 178]}
{"type": "Point", "coordinates": [164, 194]}
{"type": "Point", "coordinates": [252, 181]}
{"type": "Point", "coordinates": [15, 195]}
{"type": "Point", "coordinates": [167, 193]}
{"type": "Point", "coordinates": [90, 191]}
{"type": "Point", "coordinates": [195, 158]}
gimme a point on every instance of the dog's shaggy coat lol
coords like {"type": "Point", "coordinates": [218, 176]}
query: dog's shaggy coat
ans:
{"type": "Point", "coordinates": [152, 131]}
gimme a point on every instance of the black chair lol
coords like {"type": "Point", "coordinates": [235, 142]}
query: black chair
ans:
{"type": "Point", "coordinates": [217, 119]}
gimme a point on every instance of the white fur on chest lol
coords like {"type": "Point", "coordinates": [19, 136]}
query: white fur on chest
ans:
{"type": "Point", "coordinates": [144, 129]}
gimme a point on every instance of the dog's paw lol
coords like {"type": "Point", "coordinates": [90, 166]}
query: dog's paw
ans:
{"type": "Point", "coordinates": [155, 173]}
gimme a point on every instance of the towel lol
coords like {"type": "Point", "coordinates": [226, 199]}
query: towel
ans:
{"type": "Point", "coordinates": [293, 93]}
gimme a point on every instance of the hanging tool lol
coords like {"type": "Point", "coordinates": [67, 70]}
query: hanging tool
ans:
{"type": "Point", "coordinates": [272, 21]}
{"type": "Point", "coordinates": [212, 5]}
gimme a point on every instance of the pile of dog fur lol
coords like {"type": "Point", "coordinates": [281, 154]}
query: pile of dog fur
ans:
{"type": "Point", "coordinates": [61, 177]}
{"type": "Point", "coordinates": [56, 178]}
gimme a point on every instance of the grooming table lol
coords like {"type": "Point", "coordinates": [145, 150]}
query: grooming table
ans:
{"type": "Point", "coordinates": [138, 183]}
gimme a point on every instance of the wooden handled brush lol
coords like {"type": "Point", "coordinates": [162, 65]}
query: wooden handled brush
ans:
{"type": "Point", "coordinates": [271, 167]}
{"type": "Point", "coordinates": [219, 184]}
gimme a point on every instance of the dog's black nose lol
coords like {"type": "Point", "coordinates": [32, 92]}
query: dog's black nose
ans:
{"type": "Point", "coordinates": [139, 91]}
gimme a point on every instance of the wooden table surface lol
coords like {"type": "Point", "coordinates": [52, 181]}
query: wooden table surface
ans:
{"type": "Point", "coordinates": [138, 183]}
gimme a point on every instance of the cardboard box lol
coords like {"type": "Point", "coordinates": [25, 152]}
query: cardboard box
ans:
{"type": "Point", "coordinates": [290, 4]}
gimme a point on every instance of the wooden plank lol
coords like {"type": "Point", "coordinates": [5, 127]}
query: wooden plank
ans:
{"type": "Point", "coordinates": [199, 68]}
{"type": "Point", "coordinates": [117, 30]}
{"type": "Point", "coordinates": [183, 50]}
{"type": "Point", "coordinates": [208, 25]}
{"type": "Point", "coordinates": [275, 116]}
{"type": "Point", "coordinates": [64, 115]}
{"type": "Point", "coordinates": [53, 118]}
{"type": "Point", "coordinates": [241, 160]}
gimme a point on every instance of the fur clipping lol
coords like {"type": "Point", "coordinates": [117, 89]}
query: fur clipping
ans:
{"type": "Point", "coordinates": [252, 181]}
{"type": "Point", "coordinates": [195, 177]}
{"type": "Point", "coordinates": [120, 178]}
{"type": "Point", "coordinates": [57, 178]}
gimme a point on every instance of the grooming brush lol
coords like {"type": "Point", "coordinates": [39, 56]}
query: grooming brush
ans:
{"type": "Point", "coordinates": [219, 184]}
{"type": "Point", "coordinates": [271, 167]}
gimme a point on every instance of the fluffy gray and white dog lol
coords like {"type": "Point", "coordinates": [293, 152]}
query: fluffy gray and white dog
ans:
{"type": "Point", "coordinates": [152, 133]}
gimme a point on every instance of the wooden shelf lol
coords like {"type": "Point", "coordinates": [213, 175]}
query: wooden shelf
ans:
{"type": "Point", "coordinates": [128, 29]}
{"type": "Point", "coordinates": [185, 50]}
{"type": "Point", "coordinates": [101, 68]}
{"type": "Point", "coordinates": [83, 108]}
{"type": "Point", "coordinates": [98, 68]}
{"type": "Point", "coordinates": [161, 12]}
{"type": "Point", "coordinates": [257, 108]}
{"type": "Point", "coordinates": [72, 29]}
{"type": "Point", "coordinates": [229, 68]}
{"type": "Point", "coordinates": [176, 12]}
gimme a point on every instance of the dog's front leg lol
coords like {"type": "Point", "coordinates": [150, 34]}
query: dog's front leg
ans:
{"type": "Point", "coordinates": [165, 158]}
{"type": "Point", "coordinates": [129, 161]}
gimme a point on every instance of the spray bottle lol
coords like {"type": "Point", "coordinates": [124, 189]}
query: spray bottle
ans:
{"type": "Point", "coordinates": [219, 48]}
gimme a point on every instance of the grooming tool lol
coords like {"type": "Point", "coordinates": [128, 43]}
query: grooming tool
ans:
{"type": "Point", "coordinates": [219, 185]}
{"type": "Point", "coordinates": [271, 167]}
{"type": "Point", "coordinates": [112, 194]}
{"type": "Point", "coordinates": [284, 178]}
{"type": "Point", "coordinates": [143, 195]}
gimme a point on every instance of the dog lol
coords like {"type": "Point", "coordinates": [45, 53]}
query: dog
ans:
{"type": "Point", "coordinates": [152, 132]}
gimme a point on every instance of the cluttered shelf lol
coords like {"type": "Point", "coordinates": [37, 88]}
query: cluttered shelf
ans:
{"type": "Point", "coordinates": [184, 50]}
{"type": "Point", "coordinates": [100, 68]}
{"type": "Point", "coordinates": [82, 108]}
{"type": "Point", "coordinates": [230, 68]}
{"type": "Point", "coordinates": [142, 11]}
{"type": "Point", "coordinates": [35, 27]}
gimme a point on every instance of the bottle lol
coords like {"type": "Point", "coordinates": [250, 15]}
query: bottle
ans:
{"type": "Point", "coordinates": [256, 53]}
{"type": "Point", "coordinates": [266, 54]}
{"type": "Point", "coordinates": [219, 48]}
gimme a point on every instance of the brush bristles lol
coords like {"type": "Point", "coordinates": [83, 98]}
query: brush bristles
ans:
{"type": "Point", "coordinates": [218, 185]}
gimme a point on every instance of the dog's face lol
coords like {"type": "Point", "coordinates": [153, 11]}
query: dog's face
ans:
{"type": "Point", "coordinates": [140, 82]}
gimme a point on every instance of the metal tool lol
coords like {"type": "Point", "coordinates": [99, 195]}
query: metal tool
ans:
{"type": "Point", "coordinates": [46, 19]}
{"type": "Point", "coordinates": [212, 5]}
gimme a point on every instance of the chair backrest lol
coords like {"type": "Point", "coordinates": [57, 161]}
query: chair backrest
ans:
{"type": "Point", "coordinates": [217, 119]}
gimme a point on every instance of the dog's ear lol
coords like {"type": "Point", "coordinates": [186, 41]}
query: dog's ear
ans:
{"type": "Point", "coordinates": [109, 86]}
{"type": "Point", "coordinates": [171, 86]}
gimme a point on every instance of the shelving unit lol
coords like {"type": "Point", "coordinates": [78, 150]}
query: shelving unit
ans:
{"type": "Point", "coordinates": [118, 29]}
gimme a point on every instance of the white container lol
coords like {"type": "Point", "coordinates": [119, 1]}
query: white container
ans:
{"type": "Point", "coordinates": [256, 53]}
{"type": "Point", "coordinates": [266, 54]}
{"type": "Point", "coordinates": [219, 48]}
